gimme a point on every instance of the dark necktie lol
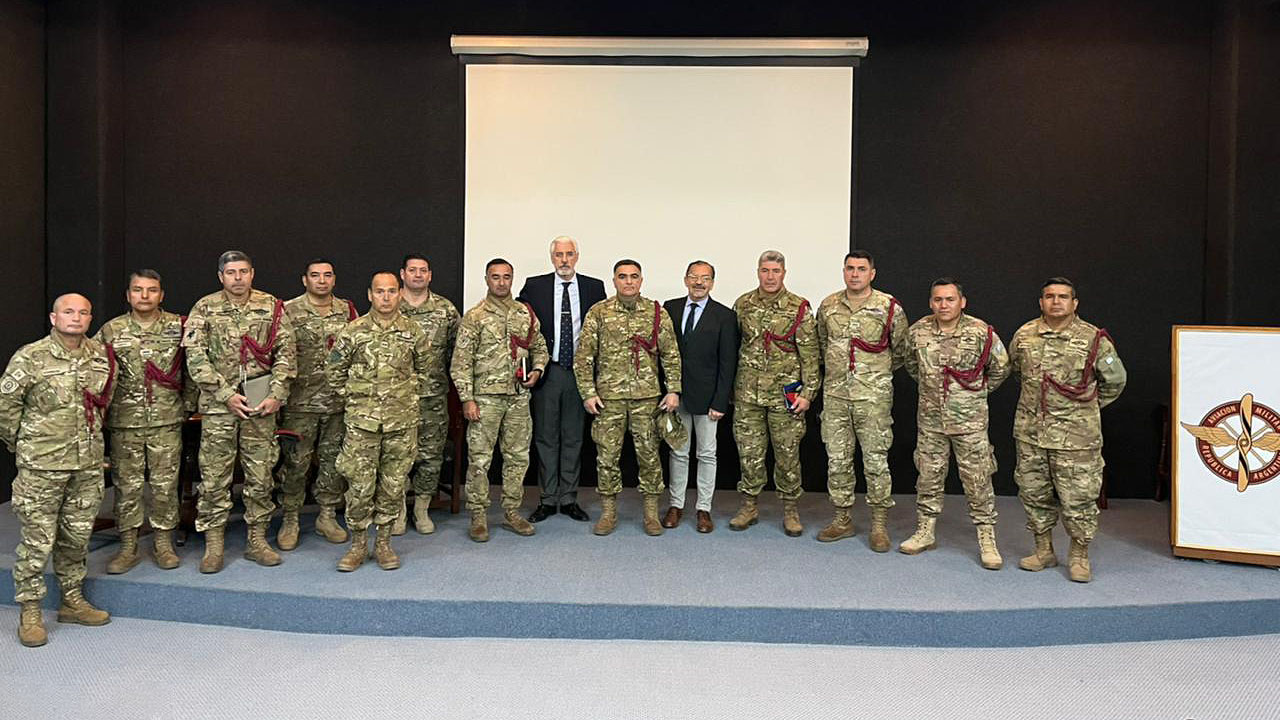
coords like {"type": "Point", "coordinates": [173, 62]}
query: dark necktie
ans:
{"type": "Point", "coordinates": [566, 328]}
{"type": "Point", "coordinates": [688, 323]}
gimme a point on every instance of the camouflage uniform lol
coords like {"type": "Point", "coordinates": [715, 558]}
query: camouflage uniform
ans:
{"type": "Point", "coordinates": [951, 416]}
{"type": "Point", "coordinates": [1059, 438]}
{"type": "Point", "coordinates": [439, 319]}
{"type": "Point", "coordinates": [857, 391]}
{"type": "Point", "coordinates": [218, 358]}
{"type": "Point", "coordinates": [145, 420]}
{"type": "Point", "coordinates": [46, 422]}
{"type": "Point", "coordinates": [611, 363]}
{"type": "Point", "coordinates": [767, 361]}
{"type": "Point", "coordinates": [377, 371]}
{"type": "Point", "coordinates": [494, 336]}
{"type": "Point", "coordinates": [313, 412]}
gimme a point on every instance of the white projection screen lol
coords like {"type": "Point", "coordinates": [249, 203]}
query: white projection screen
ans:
{"type": "Point", "coordinates": [661, 163]}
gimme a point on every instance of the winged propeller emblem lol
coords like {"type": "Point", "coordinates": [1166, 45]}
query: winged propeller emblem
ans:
{"type": "Point", "coordinates": [1243, 445]}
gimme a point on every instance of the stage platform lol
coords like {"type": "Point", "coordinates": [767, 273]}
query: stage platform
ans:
{"type": "Point", "coordinates": [752, 586]}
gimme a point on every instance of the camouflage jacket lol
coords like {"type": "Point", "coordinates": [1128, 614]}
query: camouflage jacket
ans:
{"type": "Point", "coordinates": [859, 353]}
{"type": "Point", "coordinates": [954, 381]}
{"type": "Point", "coordinates": [775, 350]}
{"type": "Point", "coordinates": [45, 418]}
{"type": "Point", "coordinates": [1062, 393]}
{"type": "Point", "coordinates": [219, 350]}
{"type": "Point", "coordinates": [162, 395]}
{"type": "Point", "coordinates": [617, 355]}
{"type": "Point", "coordinates": [314, 331]}
{"type": "Point", "coordinates": [439, 319]}
{"type": "Point", "coordinates": [376, 371]}
{"type": "Point", "coordinates": [493, 337]}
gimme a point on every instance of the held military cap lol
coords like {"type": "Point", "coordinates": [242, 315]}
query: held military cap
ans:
{"type": "Point", "coordinates": [671, 429]}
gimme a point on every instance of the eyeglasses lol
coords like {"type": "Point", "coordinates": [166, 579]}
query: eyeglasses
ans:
{"type": "Point", "coordinates": [699, 278]}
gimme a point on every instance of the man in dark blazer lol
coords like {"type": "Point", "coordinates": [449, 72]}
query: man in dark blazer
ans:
{"type": "Point", "coordinates": [707, 333]}
{"type": "Point", "coordinates": [560, 300]}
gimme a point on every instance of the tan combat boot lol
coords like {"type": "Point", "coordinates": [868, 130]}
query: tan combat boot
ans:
{"type": "Point", "coordinates": [356, 554]}
{"type": "Point", "coordinates": [422, 517]}
{"type": "Point", "coordinates": [258, 549]}
{"type": "Point", "coordinates": [212, 560]}
{"type": "Point", "coordinates": [608, 515]}
{"type": "Point", "coordinates": [1043, 557]}
{"type": "Point", "coordinates": [879, 538]}
{"type": "Point", "coordinates": [402, 520]}
{"type": "Point", "coordinates": [748, 514]}
{"type": "Point", "coordinates": [988, 554]}
{"type": "Point", "coordinates": [1078, 562]}
{"type": "Point", "coordinates": [382, 551]}
{"type": "Point", "coordinates": [791, 519]}
{"type": "Point", "coordinates": [287, 537]}
{"type": "Point", "coordinates": [651, 525]}
{"type": "Point", "coordinates": [31, 631]}
{"type": "Point", "coordinates": [75, 609]}
{"type": "Point", "coordinates": [922, 539]}
{"type": "Point", "coordinates": [327, 525]}
{"type": "Point", "coordinates": [840, 527]}
{"type": "Point", "coordinates": [127, 557]}
{"type": "Point", "coordinates": [479, 530]}
{"type": "Point", "coordinates": [512, 520]}
{"type": "Point", "coordinates": [162, 550]}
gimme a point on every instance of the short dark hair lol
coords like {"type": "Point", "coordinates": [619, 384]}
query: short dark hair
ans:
{"type": "Point", "coordinates": [147, 273]}
{"type": "Point", "coordinates": [947, 280]}
{"type": "Point", "coordinates": [316, 261]}
{"type": "Point", "coordinates": [701, 262]}
{"type": "Point", "coordinates": [1059, 280]}
{"type": "Point", "coordinates": [383, 272]}
{"type": "Point", "coordinates": [231, 256]}
{"type": "Point", "coordinates": [861, 255]}
{"type": "Point", "coordinates": [626, 261]}
{"type": "Point", "coordinates": [498, 261]}
{"type": "Point", "coordinates": [414, 256]}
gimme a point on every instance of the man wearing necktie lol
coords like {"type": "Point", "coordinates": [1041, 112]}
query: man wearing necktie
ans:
{"type": "Point", "coordinates": [560, 299]}
{"type": "Point", "coordinates": [707, 333]}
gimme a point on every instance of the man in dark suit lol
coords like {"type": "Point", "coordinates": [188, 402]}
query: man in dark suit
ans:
{"type": "Point", "coordinates": [707, 333]}
{"type": "Point", "coordinates": [560, 300]}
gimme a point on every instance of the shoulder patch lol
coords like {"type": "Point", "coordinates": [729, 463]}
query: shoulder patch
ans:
{"type": "Point", "coordinates": [8, 385]}
{"type": "Point", "coordinates": [18, 374]}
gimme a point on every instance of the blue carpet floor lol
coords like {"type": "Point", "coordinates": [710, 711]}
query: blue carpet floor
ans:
{"type": "Point", "coordinates": [753, 586]}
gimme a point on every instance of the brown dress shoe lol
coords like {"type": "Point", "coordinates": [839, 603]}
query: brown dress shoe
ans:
{"type": "Point", "coordinates": [704, 522]}
{"type": "Point", "coordinates": [672, 518]}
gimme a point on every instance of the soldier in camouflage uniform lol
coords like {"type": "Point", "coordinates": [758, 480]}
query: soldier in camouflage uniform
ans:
{"type": "Point", "coordinates": [1058, 424]}
{"type": "Point", "coordinates": [313, 412]}
{"type": "Point", "coordinates": [863, 334]}
{"type": "Point", "coordinates": [376, 369]}
{"type": "Point", "coordinates": [779, 347]}
{"type": "Point", "coordinates": [53, 396]}
{"type": "Point", "coordinates": [439, 319]}
{"type": "Point", "coordinates": [626, 342]}
{"type": "Point", "coordinates": [499, 356]}
{"type": "Point", "coordinates": [234, 335]}
{"type": "Point", "coordinates": [957, 360]}
{"type": "Point", "coordinates": [151, 402]}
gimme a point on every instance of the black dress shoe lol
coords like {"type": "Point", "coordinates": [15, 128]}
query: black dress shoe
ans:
{"type": "Point", "coordinates": [575, 512]}
{"type": "Point", "coordinates": [542, 512]}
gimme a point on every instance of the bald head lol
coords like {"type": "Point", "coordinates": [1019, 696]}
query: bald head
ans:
{"type": "Point", "coordinates": [384, 293]}
{"type": "Point", "coordinates": [72, 313]}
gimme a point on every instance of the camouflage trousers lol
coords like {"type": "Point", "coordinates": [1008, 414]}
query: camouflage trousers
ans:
{"type": "Point", "coordinates": [975, 462]}
{"type": "Point", "coordinates": [141, 457]}
{"type": "Point", "coordinates": [754, 428]}
{"type": "Point", "coordinates": [222, 436]}
{"type": "Point", "coordinates": [433, 432]}
{"type": "Point", "coordinates": [503, 419]}
{"type": "Point", "coordinates": [376, 465]}
{"type": "Point", "coordinates": [846, 424]}
{"type": "Point", "coordinates": [1059, 482]}
{"type": "Point", "coordinates": [320, 437]}
{"type": "Point", "coordinates": [609, 429]}
{"type": "Point", "coordinates": [56, 510]}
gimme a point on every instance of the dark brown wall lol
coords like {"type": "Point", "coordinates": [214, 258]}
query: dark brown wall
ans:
{"type": "Point", "coordinates": [22, 314]}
